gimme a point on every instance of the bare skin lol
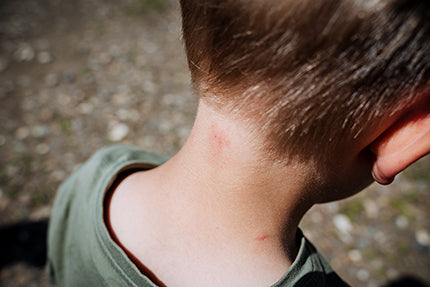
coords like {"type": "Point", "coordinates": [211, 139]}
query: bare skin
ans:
{"type": "Point", "coordinates": [218, 213]}
{"type": "Point", "coordinates": [215, 214]}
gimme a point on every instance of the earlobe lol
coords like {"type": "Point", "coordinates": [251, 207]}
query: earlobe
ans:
{"type": "Point", "coordinates": [402, 144]}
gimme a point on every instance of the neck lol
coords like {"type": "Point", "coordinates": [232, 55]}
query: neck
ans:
{"type": "Point", "coordinates": [230, 191]}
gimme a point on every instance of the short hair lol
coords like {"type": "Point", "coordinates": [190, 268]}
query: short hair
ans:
{"type": "Point", "coordinates": [309, 74]}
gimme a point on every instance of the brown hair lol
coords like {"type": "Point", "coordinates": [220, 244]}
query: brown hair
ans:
{"type": "Point", "coordinates": [308, 71]}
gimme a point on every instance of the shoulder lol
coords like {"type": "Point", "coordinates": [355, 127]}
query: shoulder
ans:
{"type": "Point", "coordinates": [118, 154]}
{"type": "Point", "coordinates": [110, 158]}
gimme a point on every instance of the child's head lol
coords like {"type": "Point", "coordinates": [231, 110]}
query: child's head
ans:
{"type": "Point", "coordinates": [309, 74]}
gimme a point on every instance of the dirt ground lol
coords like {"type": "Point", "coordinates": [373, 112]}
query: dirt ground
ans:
{"type": "Point", "coordinates": [79, 75]}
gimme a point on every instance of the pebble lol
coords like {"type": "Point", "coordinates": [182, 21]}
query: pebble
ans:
{"type": "Point", "coordinates": [342, 223]}
{"type": "Point", "coordinates": [69, 78]}
{"type": "Point", "coordinates": [59, 175]}
{"type": "Point", "coordinates": [86, 108]}
{"type": "Point", "coordinates": [392, 273]}
{"type": "Point", "coordinates": [362, 275]}
{"type": "Point", "coordinates": [42, 148]}
{"type": "Point", "coordinates": [63, 99]}
{"type": "Point", "coordinates": [94, 65]}
{"type": "Point", "coordinates": [376, 264]}
{"type": "Point", "coordinates": [422, 237]}
{"type": "Point", "coordinates": [106, 95]}
{"type": "Point", "coordinates": [24, 53]}
{"type": "Point", "coordinates": [40, 131]}
{"type": "Point", "coordinates": [28, 104]}
{"type": "Point", "coordinates": [22, 133]}
{"type": "Point", "coordinates": [333, 206]}
{"type": "Point", "coordinates": [41, 213]}
{"type": "Point", "coordinates": [104, 58]}
{"type": "Point", "coordinates": [11, 171]}
{"type": "Point", "coordinates": [402, 222]}
{"type": "Point", "coordinates": [355, 255]}
{"type": "Point", "coordinates": [127, 114]}
{"type": "Point", "coordinates": [51, 80]}
{"type": "Point", "coordinates": [148, 142]}
{"type": "Point", "coordinates": [371, 208]}
{"type": "Point", "coordinates": [380, 237]}
{"type": "Point", "coordinates": [184, 132]}
{"type": "Point", "coordinates": [118, 132]}
{"type": "Point", "coordinates": [44, 57]}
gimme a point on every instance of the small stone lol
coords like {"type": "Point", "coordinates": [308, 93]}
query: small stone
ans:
{"type": "Point", "coordinates": [104, 58]}
{"type": "Point", "coordinates": [115, 51]}
{"type": "Point", "coordinates": [42, 148]}
{"type": "Point", "coordinates": [46, 114]}
{"type": "Point", "coordinates": [148, 142]}
{"type": "Point", "coordinates": [423, 238]}
{"type": "Point", "coordinates": [44, 57]}
{"type": "Point", "coordinates": [371, 208]}
{"type": "Point", "coordinates": [51, 80]}
{"type": "Point", "coordinates": [86, 108]}
{"type": "Point", "coordinates": [118, 132]}
{"type": "Point", "coordinates": [22, 133]}
{"type": "Point", "coordinates": [41, 213]}
{"type": "Point", "coordinates": [362, 275]}
{"type": "Point", "coordinates": [333, 206]}
{"type": "Point", "coordinates": [59, 175]}
{"type": "Point", "coordinates": [106, 95]}
{"type": "Point", "coordinates": [355, 255]}
{"type": "Point", "coordinates": [69, 78]}
{"type": "Point", "coordinates": [342, 223]}
{"type": "Point", "coordinates": [376, 264]}
{"type": "Point", "coordinates": [94, 65]}
{"type": "Point", "coordinates": [402, 222]}
{"type": "Point", "coordinates": [63, 99]}
{"type": "Point", "coordinates": [28, 104]}
{"type": "Point", "coordinates": [380, 237]}
{"type": "Point", "coordinates": [39, 131]}
{"type": "Point", "coordinates": [392, 273]}
{"type": "Point", "coordinates": [11, 171]}
{"type": "Point", "coordinates": [24, 53]}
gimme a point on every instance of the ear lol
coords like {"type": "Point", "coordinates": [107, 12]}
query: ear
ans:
{"type": "Point", "coordinates": [403, 143]}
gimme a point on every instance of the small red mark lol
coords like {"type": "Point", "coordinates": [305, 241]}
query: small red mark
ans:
{"type": "Point", "coordinates": [219, 137]}
{"type": "Point", "coordinates": [261, 237]}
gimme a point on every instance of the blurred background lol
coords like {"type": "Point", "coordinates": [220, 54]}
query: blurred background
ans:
{"type": "Point", "coordinates": [79, 75]}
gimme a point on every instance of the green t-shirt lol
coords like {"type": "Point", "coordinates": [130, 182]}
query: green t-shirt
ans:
{"type": "Point", "coordinates": [82, 253]}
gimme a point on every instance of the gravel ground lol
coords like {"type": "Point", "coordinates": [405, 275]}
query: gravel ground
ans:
{"type": "Point", "coordinates": [78, 75]}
